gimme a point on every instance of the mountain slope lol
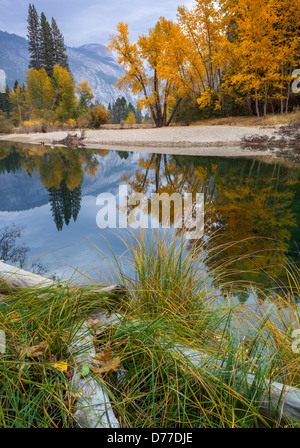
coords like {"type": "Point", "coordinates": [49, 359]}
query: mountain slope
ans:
{"type": "Point", "coordinates": [89, 62]}
{"type": "Point", "coordinates": [13, 57]}
{"type": "Point", "coordinates": [92, 62]}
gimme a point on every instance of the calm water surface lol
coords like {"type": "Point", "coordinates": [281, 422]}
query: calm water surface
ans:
{"type": "Point", "coordinates": [48, 207]}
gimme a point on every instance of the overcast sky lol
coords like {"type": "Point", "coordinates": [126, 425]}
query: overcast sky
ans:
{"type": "Point", "coordinates": [89, 21]}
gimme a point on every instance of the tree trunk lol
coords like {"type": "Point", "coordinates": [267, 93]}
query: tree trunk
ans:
{"type": "Point", "coordinates": [266, 100]}
{"type": "Point", "coordinates": [159, 115]}
{"type": "Point", "coordinates": [174, 112]}
{"type": "Point", "coordinates": [281, 92]}
{"type": "Point", "coordinates": [256, 106]}
{"type": "Point", "coordinates": [249, 106]}
{"type": "Point", "coordinates": [288, 94]}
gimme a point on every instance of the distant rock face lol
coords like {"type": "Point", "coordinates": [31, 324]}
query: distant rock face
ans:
{"type": "Point", "coordinates": [13, 57]}
{"type": "Point", "coordinates": [100, 69]}
{"type": "Point", "coordinates": [89, 62]}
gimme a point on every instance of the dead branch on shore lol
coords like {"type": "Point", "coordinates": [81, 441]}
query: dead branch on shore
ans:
{"type": "Point", "coordinates": [72, 140]}
{"type": "Point", "coordinates": [285, 143]}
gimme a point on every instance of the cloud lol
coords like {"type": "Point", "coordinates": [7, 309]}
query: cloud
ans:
{"type": "Point", "coordinates": [90, 20]}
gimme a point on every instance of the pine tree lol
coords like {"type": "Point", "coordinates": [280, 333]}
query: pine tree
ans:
{"type": "Point", "coordinates": [59, 50]}
{"type": "Point", "coordinates": [119, 110]}
{"type": "Point", "coordinates": [45, 43]}
{"type": "Point", "coordinates": [33, 38]}
{"type": "Point", "coordinates": [46, 46]}
{"type": "Point", "coordinates": [139, 116]}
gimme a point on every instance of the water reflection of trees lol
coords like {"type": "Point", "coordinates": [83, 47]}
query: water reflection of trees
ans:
{"type": "Point", "coordinates": [13, 252]}
{"type": "Point", "coordinates": [65, 203]}
{"type": "Point", "coordinates": [60, 170]}
{"type": "Point", "coordinates": [251, 209]}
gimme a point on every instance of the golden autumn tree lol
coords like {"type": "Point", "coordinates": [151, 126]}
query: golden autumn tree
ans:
{"type": "Point", "coordinates": [153, 67]}
{"type": "Point", "coordinates": [39, 94]}
{"type": "Point", "coordinates": [243, 49]}
{"type": "Point", "coordinates": [288, 46]}
{"type": "Point", "coordinates": [203, 26]}
{"type": "Point", "coordinates": [64, 88]}
{"type": "Point", "coordinates": [86, 95]}
{"type": "Point", "coordinates": [261, 48]}
{"type": "Point", "coordinates": [17, 101]}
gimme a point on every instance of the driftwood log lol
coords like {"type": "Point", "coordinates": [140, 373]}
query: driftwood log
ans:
{"type": "Point", "coordinates": [93, 408]}
{"type": "Point", "coordinates": [71, 140]}
{"type": "Point", "coordinates": [12, 279]}
{"type": "Point", "coordinates": [276, 398]}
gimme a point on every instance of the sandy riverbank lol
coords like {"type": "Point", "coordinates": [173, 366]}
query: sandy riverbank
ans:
{"type": "Point", "coordinates": [190, 140]}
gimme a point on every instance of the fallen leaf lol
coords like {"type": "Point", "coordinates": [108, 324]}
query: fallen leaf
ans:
{"type": "Point", "coordinates": [85, 370]}
{"type": "Point", "coordinates": [111, 366]}
{"type": "Point", "coordinates": [104, 356]}
{"type": "Point", "coordinates": [35, 350]}
{"type": "Point", "coordinates": [96, 325]}
{"type": "Point", "coordinates": [61, 365]}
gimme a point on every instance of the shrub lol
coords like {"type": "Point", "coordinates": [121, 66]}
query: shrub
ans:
{"type": "Point", "coordinates": [31, 126]}
{"type": "Point", "coordinates": [131, 119]}
{"type": "Point", "coordinates": [100, 115]}
{"type": "Point", "coordinates": [84, 120]}
{"type": "Point", "coordinates": [70, 124]}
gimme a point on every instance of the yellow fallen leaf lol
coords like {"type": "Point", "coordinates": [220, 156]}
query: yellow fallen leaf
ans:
{"type": "Point", "coordinates": [61, 365]}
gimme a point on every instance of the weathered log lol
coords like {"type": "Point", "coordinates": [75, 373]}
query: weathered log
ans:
{"type": "Point", "coordinates": [93, 408]}
{"type": "Point", "coordinates": [12, 278]}
{"type": "Point", "coordinates": [72, 141]}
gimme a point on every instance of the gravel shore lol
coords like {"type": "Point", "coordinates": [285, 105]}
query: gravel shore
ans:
{"type": "Point", "coordinates": [192, 140]}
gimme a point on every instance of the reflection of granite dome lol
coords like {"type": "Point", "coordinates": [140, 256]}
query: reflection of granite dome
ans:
{"type": "Point", "coordinates": [2, 81]}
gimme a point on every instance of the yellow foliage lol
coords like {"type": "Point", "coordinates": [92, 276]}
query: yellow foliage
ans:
{"type": "Point", "coordinates": [131, 119]}
{"type": "Point", "coordinates": [85, 95]}
{"type": "Point", "coordinates": [99, 115]}
{"type": "Point", "coordinates": [65, 93]}
{"type": "Point", "coordinates": [161, 52]}
{"type": "Point", "coordinates": [39, 94]}
{"type": "Point", "coordinates": [71, 123]}
{"type": "Point", "coordinates": [205, 99]}
{"type": "Point", "coordinates": [32, 125]}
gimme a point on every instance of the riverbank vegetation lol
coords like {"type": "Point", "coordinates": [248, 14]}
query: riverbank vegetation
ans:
{"type": "Point", "coordinates": [216, 60]}
{"type": "Point", "coordinates": [170, 304]}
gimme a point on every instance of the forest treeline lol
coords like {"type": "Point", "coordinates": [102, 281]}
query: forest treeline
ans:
{"type": "Point", "coordinates": [218, 58]}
